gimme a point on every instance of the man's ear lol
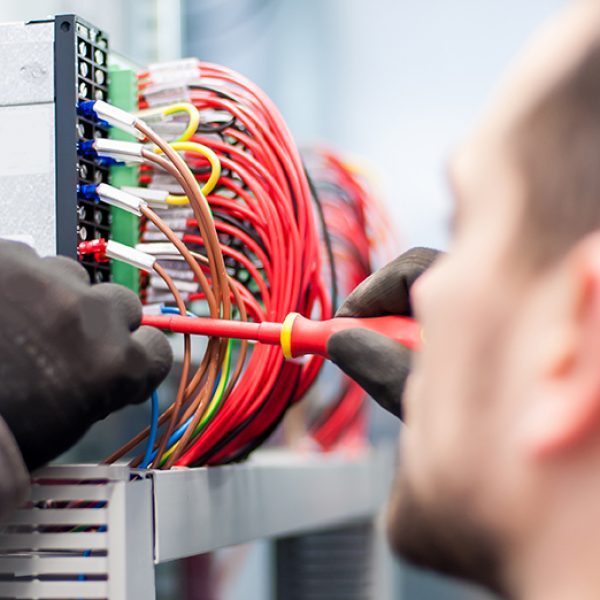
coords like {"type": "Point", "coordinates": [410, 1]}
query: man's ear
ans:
{"type": "Point", "coordinates": [565, 410]}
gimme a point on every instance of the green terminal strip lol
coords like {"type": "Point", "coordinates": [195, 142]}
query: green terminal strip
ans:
{"type": "Point", "coordinates": [125, 226]}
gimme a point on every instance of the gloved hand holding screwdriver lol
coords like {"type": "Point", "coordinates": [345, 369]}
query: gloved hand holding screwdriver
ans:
{"type": "Point", "coordinates": [370, 338]}
{"type": "Point", "coordinates": [380, 365]}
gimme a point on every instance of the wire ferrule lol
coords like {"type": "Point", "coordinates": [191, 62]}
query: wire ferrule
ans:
{"type": "Point", "coordinates": [129, 255]}
{"type": "Point", "coordinates": [116, 197]}
{"type": "Point", "coordinates": [119, 150]}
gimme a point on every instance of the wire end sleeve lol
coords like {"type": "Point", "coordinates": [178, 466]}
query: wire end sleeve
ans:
{"type": "Point", "coordinates": [131, 256]}
{"type": "Point", "coordinates": [118, 150]}
{"type": "Point", "coordinates": [113, 116]}
{"type": "Point", "coordinates": [116, 197]}
{"type": "Point", "coordinates": [96, 248]}
{"type": "Point", "coordinates": [159, 249]}
{"type": "Point", "coordinates": [152, 196]}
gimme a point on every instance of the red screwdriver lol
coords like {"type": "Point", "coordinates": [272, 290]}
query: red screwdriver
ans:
{"type": "Point", "coordinates": [296, 336]}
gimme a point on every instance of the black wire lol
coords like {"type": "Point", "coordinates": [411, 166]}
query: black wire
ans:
{"type": "Point", "coordinates": [201, 170]}
{"type": "Point", "coordinates": [207, 129]}
{"type": "Point", "coordinates": [214, 90]}
{"type": "Point", "coordinates": [356, 255]}
{"type": "Point", "coordinates": [327, 239]}
{"type": "Point", "coordinates": [243, 226]}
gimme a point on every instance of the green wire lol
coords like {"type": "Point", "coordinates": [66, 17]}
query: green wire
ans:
{"type": "Point", "coordinates": [215, 402]}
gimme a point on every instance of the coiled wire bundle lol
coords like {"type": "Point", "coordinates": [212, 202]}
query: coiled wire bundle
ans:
{"type": "Point", "coordinates": [241, 175]}
{"type": "Point", "coordinates": [236, 230]}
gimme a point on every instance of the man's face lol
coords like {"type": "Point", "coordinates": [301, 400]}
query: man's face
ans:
{"type": "Point", "coordinates": [465, 489]}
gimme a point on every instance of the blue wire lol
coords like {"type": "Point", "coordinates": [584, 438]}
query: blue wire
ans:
{"type": "Point", "coordinates": [148, 456]}
{"type": "Point", "coordinates": [171, 310]}
{"type": "Point", "coordinates": [88, 553]}
{"type": "Point", "coordinates": [178, 433]}
{"type": "Point", "coordinates": [81, 576]}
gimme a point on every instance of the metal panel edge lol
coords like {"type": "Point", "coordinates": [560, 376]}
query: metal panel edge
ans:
{"type": "Point", "coordinates": [66, 134]}
{"type": "Point", "coordinates": [199, 510]}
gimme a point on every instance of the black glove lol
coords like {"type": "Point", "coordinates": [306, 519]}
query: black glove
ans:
{"type": "Point", "coordinates": [377, 363]}
{"type": "Point", "coordinates": [68, 356]}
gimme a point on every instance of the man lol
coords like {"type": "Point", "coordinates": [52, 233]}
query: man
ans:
{"type": "Point", "coordinates": [499, 480]}
{"type": "Point", "coordinates": [70, 354]}
{"type": "Point", "coordinates": [500, 473]}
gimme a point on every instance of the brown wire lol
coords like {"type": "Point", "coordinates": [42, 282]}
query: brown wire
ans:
{"type": "Point", "coordinates": [216, 349]}
{"type": "Point", "coordinates": [203, 405]}
{"type": "Point", "coordinates": [202, 213]}
{"type": "Point", "coordinates": [172, 412]}
{"type": "Point", "coordinates": [216, 263]}
{"type": "Point", "coordinates": [186, 361]}
{"type": "Point", "coordinates": [184, 371]}
{"type": "Point", "coordinates": [235, 375]}
{"type": "Point", "coordinates": [218, 297]}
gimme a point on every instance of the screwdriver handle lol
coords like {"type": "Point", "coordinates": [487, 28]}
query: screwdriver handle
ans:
{"type": "Point", "coordinates": [297, 335]}
{"type": "Point", "coordinates": [300, 336]}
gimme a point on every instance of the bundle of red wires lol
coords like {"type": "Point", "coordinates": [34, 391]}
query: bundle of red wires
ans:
{"type": "Point", "coordinates": [270, 242]}
{"type": "Point", "coordinates": [358, 229]}
{"type": "Point", "coordinates": [263, 213]}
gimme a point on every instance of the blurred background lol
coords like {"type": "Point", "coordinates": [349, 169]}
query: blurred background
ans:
{"type": "Point", "coordinates": [395, 82]}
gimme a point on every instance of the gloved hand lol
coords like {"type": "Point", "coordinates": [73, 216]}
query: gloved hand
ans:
{"type": "Point", "coordinates": [70, 353]}
{"type": "Point", "coordinates": [377, 363]}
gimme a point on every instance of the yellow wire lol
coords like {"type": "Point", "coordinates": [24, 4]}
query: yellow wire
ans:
{"type": "Point", "coordinates": [214, 401]}
{"type": "Point", "coordinates": [207, 153]}
{"type": "Point", "coordinates": [166, 111]}
{"type": "Point", "coordinates": [177, 200]}
{"type": "Point", "coordinates": [193, 114]}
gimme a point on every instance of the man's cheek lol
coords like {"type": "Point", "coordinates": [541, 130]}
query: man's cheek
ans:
{"type": "Point", "coordinates": [410, 393]}
{"type": "Point", "coordinates": [416, 442]}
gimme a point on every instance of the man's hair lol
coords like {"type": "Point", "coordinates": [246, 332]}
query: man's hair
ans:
{"type": "Point", "coordinates": [558, 150]}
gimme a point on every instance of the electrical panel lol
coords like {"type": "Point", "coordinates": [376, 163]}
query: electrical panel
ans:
{"type": "Point", "coordinates": [47, 68]}
{"type": "Point", "coordinates": [182, 181]}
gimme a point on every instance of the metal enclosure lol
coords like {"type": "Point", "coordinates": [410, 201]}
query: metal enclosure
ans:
{"type": "Point", "coordinates": [27, 130]}
{"type": "Point", "coordinates": [97, 531]}
{"type": "Point", "coordinates": [46, 68]}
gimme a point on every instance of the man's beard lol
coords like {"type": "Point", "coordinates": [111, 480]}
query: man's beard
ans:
{"type": "Point", "coordinates": [443, 538]}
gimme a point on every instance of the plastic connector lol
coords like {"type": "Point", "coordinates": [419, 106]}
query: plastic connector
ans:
{"type": "Point", "coordinates": [152, 196]}
{"type": "Point", "coordinates": [116, 197]}
{"type": "Point", "coordinates": [116, 117]}
{"type": "Point", "coordinates": [118, 150]}
{"type": "Point", "coordinates": [97, 248]}
{"type": "Point", "coordinates": [130, 255]}
{"type": "Point", "coordinates": [102, 250]}
{"type": "Point", "coordinates": [179, 71]}
{"type": "Point", "coordinates": [163, 94]}
{"type": "Point", "coordinates": [189, 287]}
{"type": "Point", "coordinates": [88, 191]}
{"type": "Point", "coordinates": [160, 249]}
{"type": "Point", "coordinates": [86, 148]}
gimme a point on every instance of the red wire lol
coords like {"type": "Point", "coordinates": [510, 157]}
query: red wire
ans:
{"type": "Point", "coordinates": [263, 184]}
